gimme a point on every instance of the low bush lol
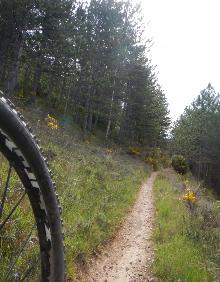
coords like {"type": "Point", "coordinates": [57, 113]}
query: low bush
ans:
{"type": "Point", "coordinates": [156, 158]}
{"type": "Point", "coordinates": [135, 151]}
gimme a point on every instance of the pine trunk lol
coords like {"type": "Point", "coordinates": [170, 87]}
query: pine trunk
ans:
{"type": "Point", "coordinates": [96, 121]}
{"type": "Point", "coordinates": [90, 121]}
{"type": "Point", "coordinates": [37, 77]}
{"type": "Point", "coordinates": [13, 74]}
{"type": "Point", "coordinates": [110, 115]}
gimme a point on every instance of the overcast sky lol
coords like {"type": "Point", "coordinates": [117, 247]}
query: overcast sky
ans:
{"type": "Point", "coordinates": [186, 50]}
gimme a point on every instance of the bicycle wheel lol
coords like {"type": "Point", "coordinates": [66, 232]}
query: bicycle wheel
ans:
{"type": "Point", "coordinates": [31, 240]}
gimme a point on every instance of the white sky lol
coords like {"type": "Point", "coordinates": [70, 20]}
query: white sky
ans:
{"type": "Point", "coordinates": [186, 50]}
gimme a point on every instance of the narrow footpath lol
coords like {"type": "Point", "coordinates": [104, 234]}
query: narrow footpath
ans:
{"type": "Point", "coordinates": [129, 256]}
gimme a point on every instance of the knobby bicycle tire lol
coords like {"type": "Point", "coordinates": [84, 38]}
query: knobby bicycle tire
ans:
{"type": "Point", "coordinates": [20, 147]}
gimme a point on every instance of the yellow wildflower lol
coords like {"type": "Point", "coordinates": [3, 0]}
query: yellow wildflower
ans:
{"type": "Point", "coordinates": [134, 150]}
{"type": "Point", "coordinates": [109, 151]}
{"type": "Point", "coordinates": [52, 122]}
{"type": "Point", "coordinates": [189, 196]}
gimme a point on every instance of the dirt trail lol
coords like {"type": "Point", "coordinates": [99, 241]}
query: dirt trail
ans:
{"type": "Point", "coordinates": [129, 256]}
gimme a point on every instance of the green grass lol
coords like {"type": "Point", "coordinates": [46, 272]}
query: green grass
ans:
{"type": "Point", "coordinates": [179, 260]}
{"type": "Point", "coordinates": [96, 184]}
{"type": "Point", "coordinates": [186, 245]}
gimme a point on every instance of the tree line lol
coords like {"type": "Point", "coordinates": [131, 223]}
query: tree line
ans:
{"type": "Point", "coordinates": [196, 135]}
{"type": "Point", "coordinates": [85, 59]}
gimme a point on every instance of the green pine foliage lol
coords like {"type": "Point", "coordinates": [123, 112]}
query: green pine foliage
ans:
{"type": "Point", "coordinates": [85, 60]}
{"type": "Point", "coordinates": [196, 136]}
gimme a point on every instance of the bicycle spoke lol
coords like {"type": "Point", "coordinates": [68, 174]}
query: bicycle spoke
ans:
{"type": "Point", "coordinates": [12, 211]}
{"type": "Point", "coordinates": [5, 190]}
{"type": "Point", "coordinates": [18, 255]}
{"type": "Point", "coordinates": [30, 269]}
{"type": "Point", "coordinates": [13, 193]}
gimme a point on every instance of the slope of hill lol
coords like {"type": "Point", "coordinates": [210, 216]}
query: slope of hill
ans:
{"type": "Point", "coordinates": [96, 183]}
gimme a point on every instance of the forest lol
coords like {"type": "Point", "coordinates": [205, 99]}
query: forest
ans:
{"type": "Point", "coordinates": [196, 136]}
{"type": "Point", "coordinates": [88, 60]}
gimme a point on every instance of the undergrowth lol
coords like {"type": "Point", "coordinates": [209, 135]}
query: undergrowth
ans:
{"type": "Point", "coordinates": [96, 185]}
{"type": "Point", "coordinates": [186, 234]}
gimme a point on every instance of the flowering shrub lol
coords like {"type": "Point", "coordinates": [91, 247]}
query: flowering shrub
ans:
{"type": "Point", "coordinates": [189, 196]}
{"type": "Point", "coordinates": [134, 151]}
{"type": "Point", "coordinates": [109, 151]}
{"type": "Point", "coordinates": [153, 162]}
{"type": "Point", "coordinates": [52, 122]}
{"type": "Point", "coordinates": [153, 157]}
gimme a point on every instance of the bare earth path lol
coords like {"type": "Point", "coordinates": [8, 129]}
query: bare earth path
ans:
{"type": "Point", "coordinates": [129, 255]}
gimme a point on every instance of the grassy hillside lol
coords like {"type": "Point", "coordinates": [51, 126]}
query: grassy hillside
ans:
{"type": "Point", "coordinates": [187, 231]}
{"type": "Point", "coordinates": [96, 184]}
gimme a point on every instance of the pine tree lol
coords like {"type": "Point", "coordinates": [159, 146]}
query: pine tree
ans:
{"type": "Point", "coordinates": [196, 136]}
{"type": "Point", "coordinates": [87, 60]}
